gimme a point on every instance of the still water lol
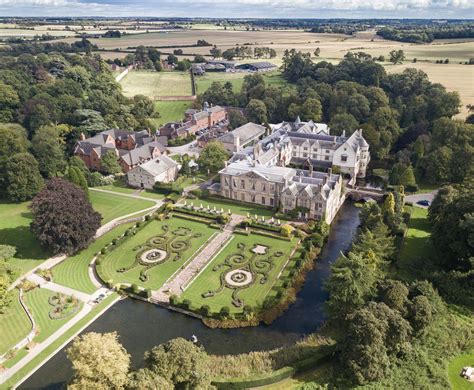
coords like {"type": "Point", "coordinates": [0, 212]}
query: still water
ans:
{"type": "Point", "coordinates": [141, 325]}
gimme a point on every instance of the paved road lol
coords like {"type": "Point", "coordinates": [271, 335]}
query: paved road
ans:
{"type": "Point", "coordinates": [36, 279]}
{"type": "Point", "coordinates": [191, 149]}
{"type": "Point", "coordinates": [417, 197]}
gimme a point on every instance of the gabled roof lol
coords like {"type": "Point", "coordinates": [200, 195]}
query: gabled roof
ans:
{"type": "Point", "coordinates": [247, 132]}
{"type": "Point", "coordinates": [142, 153]}
{"type": "Point", "coordinates": [157, 166]}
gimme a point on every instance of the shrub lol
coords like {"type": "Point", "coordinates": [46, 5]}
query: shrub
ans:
{"type": "Point", "coordinates": [148, 217]}
{"type": "Point", "coordinates": [98, 261]}
{"type": "Point", "coordinates": [286, 230]}
{"type": "Point", "coordinates": [114, 241]}
{"type": "Point", "coordinates": [411, 187]}
{"type": "Point", "coordinates": [205, 310]}
{"type": "Point", "coordinates": [135, 289]}
{"type": "Point", "coordinates": [224, 312]}
{"type": "Point", "coordinates": [103, 251]}
{"type": "Point", "coordinates": [110, 283]}
{"type": "Point", "coordinates": [186, 304]}
{"type": "Point", "coordinates": [148, 292]}
{"type": "Point", "coordinates": [174, 300]}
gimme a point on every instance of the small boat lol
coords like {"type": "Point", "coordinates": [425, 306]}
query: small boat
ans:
{"type": "Point", "coordinates": [194, 339]}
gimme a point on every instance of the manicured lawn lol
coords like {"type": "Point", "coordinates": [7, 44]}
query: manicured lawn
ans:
{"type": "Point", "coordinates": [14, 324]}
{"type": "Point", "coordinates": [120, 187]}
{"type": "Point", "coordinates": [153, 84]}
{"type": "Point", "coordinates": [264, 269]}
{"type": "Point", "coordinates": [113, 206]}
{"type": "Point", "coordinates": [181, 243]}
{"type": "Point", "coordinates": [73, 272]}
{"type": "Point", "coordinates": [454, 370]}
{"type": "Point", "coordinates": [417, 245]}
{"type": "Point", "coordinates": [170, 111]}
{"type": "Point", "coordinates": [15, 219]}
{"type": "Point", "coordinates": [236, 208]}
{"type": "Point", "coordinates": [37, 302]}
{"type": "Point", "coordinates": [61, 340]}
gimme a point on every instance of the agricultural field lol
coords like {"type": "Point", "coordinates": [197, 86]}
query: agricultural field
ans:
{"type": "Point", "coordinates": [170, 111]}
{"type": "Point", "coordinates": [74, 271]}
{"type": "Point", "coordinates": [204, 82]}
{"type": "Point", "coordinates": [156, 84]}
{"type": "Point", "coordinates": [242, 274]}
{"type": "Point", "coordinates": [113, 206]}
{"type": "Point", "coordinates": [14, 324]}
{"type": "Point", "coordinates": [15, 219]}
{"type": "Point", "coordinates": [155, 252]}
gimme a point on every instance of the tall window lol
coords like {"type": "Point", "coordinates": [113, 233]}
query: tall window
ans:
{"type": "Point", "coordinates": [263, 200]}
{"type": "Point", "coordinates": [344, 158]}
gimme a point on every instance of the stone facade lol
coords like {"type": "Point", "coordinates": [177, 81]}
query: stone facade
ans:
{"type": "Point", "coordinates": [162, 169]}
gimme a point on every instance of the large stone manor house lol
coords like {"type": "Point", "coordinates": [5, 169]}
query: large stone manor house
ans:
{"type": "Point", "coordinates": [259, 173]}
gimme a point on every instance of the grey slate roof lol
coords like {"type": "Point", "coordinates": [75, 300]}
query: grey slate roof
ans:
{"type": "Point", "coordinates": [142, 153]}
{"type": "Point", "coordinates": [158, 166]}
{"type": "Point", "coordinates": [275, 173]}
{"type": "Point", "coordinates": [246, 133]}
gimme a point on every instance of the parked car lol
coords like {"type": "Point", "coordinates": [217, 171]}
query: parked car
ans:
{"type": "Point", "coordinates": [423, 202]}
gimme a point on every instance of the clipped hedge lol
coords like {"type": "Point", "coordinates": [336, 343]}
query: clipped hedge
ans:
{"type": "Point", "coordinates": [267, 234]}
{"type": "Point", "coordinates": [193, 218]}
{"type": "Point", "coordinates": [256, 381]}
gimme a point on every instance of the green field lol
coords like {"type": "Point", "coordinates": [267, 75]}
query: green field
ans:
{"type": "Point", "coordinates": [170, 111]}
{"type": "Point", "coordinates": [417, 245]}
{"type": "Point", "coordinates": [155, 84]}
{"type": "Point", "coordinates": [236, 208]}
{"type": "Point", "coordinates": [454, 370]}
{"type": "Point", "coordinates": [37, 302]}
{"type": "Point", "coordinates": [238, 255]}
{"type": "Point", "coordinates": [15, 219]}
{"type": "Point", "coordinates": [236, 79]}
{"type": "Point", "coordinates": [14, 324]}
{"type": "Point", "coordinates": [180, 243]}
{"type": "Point", "coordinates": [113, 206]}
{"type": "Point", "coordinates": [73, 272]}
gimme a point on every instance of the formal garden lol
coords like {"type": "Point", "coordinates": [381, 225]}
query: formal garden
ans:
{"type": "Point", "coordinates": [242, 275]}
{"type": "Point", "coordinates": [148, 254]}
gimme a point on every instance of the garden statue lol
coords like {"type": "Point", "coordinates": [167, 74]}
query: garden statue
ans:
{"type": "Point", "coordinates": [222, 210]}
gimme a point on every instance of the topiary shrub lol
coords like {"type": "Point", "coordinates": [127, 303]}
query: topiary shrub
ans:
{"type": "Point", "coordinates": [205, 310]}
{"type": "Point", "coordinates": [174, 300]}
{"type": "Point", "coordinates": [110, 283]}
{"type": "Point", "coordinates": [286, 230]}
{"type": "Point", "coordinates": [224, 312]}
{"type": "Point", "coordinates": [103, 251]}
{"type": "Point", "coordinates": [148, 293]}
{"type": "Point", "coordinates": [186, 304]}
{"type": "Point", "coordinates": [148, 218]}
{"type": "Point", "coordinates": [135, 289]}
{"type": "Point", "coordinates": [114, 241]}
{"type": "Point", "coordinates": [98, 261]}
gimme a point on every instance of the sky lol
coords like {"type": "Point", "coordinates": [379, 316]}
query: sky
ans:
{"type": "Point", "coordinates": [435, 9]}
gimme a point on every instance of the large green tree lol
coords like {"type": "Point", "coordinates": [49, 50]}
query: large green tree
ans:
{"type": "Point", "coordinates": [180, 361]}
{"type": "Point", "coordinates": [99, 361]}
{"type": "Point", "coordinates": [63, 218]}
{"type": "Point", "coordinates": [23, 179]}
{"type": "Point", "coordinates": [49, 151]}
{"type": "Point", "coordinates": [213, 157]}
{"type": "Point", "coordinates": [109, 163]}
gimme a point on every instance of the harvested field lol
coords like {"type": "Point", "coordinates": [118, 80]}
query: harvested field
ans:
{"type": "Point", "coordinates": [155, 84]}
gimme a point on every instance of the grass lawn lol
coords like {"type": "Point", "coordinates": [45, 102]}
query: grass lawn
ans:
{"type": "Point", "coordinates": [37, 302]}
{"type": "Point", "coordinates": [73, 272]}
{"type": "Point", "coordinates": [236, 79]}
{"type": "Point", "coordinates": [113, 206]}
{"type": "Point", "coordinates": [15, 219]}
{"type": "Point", "coordinates": [120, 187]}
{"type": "Point", "coordinates": [124, 255]}
{"type": "Point", "coordinates": [61, 340]}
{"type": "Point", "coordinates": [170, 111]}
{"type": "Point", "coordinates": [417, 245]}
{"type": "Point", "coordinates": [236, 208]}
{"type": "Point", "coordinates": [153, 84]}
{"type": "Point", "coordinates": [14, 324]}
{"type": "Point", "coordinates": [255, 293]}
{"type": "Point", "coordinates": [454, 370]}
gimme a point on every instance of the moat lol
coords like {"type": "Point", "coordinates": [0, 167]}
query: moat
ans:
{"type": "Point", "coordinates": [141, 325]}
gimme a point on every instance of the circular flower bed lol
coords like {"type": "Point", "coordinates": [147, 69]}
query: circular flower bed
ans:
{"type": "Point", "coordinates": [153, 256]}
{"type": "Point", "coordinates": [238, 278]}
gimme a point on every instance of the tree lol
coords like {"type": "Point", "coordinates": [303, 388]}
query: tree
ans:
{"type": "Point", "coordinates": [317, 52]}
{"type": "Point", "coordinates": [256, 111]}
{"type": "Point", "coordinates": [213, 157]}
{"type": "Point", "coordinates": [407, 179]}
{"type": "Point", "coordinates": [75, 176]}
{"type": "Point", "coordinates": [23, 178]}
{"type": "Point", "coordinates": [215, 52]}
{"type": "Point", "coordinates": [109, 163]}
{"type": "Point", "coordinates": [7, 252]}
{"type": "Point", "coordinates": [236, 119]}
{"type": "Point", "coordinates": [341, 122]}
{"type": "Point", "coordinates": [181, 362]}
{"type": "Point", "coordinates": [388, 208]}
{"type": "Point", "coordinates": [99, 361]}
{"type": "Point", "coordinates": [145, 379]}
{"type": "Point", "coordinates": [396, 56]}
{"type": "Point", "coordinates": [63, 218]}
{"type": "Point", "coordinates": [49, 151]}
{"type": "Point", "coordinates": [9, 101]}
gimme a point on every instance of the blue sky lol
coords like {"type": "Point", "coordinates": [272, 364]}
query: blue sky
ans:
{"type": "Point", "coordinates": [243, 8]}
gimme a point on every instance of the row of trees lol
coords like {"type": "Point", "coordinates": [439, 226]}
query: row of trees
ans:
{"type": "Point", "coordinates": [427, 33]}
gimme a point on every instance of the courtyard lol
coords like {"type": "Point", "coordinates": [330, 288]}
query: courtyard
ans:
{"type": "Point", "coordinates": [152, 255]}
{"type": "Point", "coordinates": [242, 274]}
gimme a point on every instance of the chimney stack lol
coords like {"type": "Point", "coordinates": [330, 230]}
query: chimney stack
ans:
{"type": "Point", "coordinates": [82, 137]}
{"type": "Point", "coordinates": [329, 172]}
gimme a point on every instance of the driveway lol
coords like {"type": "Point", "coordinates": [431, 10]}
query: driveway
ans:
{"type": "Point", "coordinates": [417, 197]}
{"type": "Point", "coordinates": [191, 149]}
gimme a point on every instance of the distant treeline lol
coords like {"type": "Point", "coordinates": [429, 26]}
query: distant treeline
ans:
{"type": "Point", "coordinates": [34, 48]}
{"type": "Point", "coordinates": [427, 33]}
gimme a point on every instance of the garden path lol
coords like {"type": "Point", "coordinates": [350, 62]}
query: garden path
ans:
{"type": "Point", "coordinates": [36, 279]}
{"type": "Point", "coordinates": [178, 284]}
